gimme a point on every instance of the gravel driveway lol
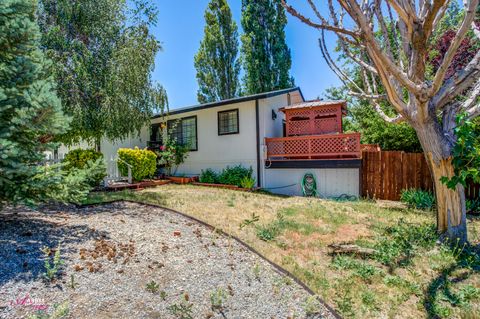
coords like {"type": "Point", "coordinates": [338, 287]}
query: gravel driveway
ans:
{"type": "Point", "coordinates": [112, 252]}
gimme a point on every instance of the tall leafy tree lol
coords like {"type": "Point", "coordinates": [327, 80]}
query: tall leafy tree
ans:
{"type": "Point", "coordinates": [265, 54]}
{"type": "Point", "coordinates": [30, 114]}
{"type": "Point", "coordinates": [217, 61]}
{"type": "Point", "coordinates": [103, 54]}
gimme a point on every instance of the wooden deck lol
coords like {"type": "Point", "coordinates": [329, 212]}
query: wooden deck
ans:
{"type": "Point", "coordinates": [325, 146]}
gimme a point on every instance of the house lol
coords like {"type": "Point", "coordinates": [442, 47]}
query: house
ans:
{"type": "Point", "coordinates": [279, 134]}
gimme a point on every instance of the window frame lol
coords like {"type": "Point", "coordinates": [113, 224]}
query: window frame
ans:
{"type": "Point", "coordinates": [196, 129]}
{"type": "Point", "coordinates": [238, 121]}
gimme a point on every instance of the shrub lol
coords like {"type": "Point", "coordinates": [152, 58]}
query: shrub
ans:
{"type": "Point", "coordinates": [234, 175]}
{"type": "Point", "coordinates": [208, 176]}
{"type": "Point", "coordinates": [82, 159]}
{"type": "Point", "coordinates": [143, 162]}
{"type": "Point", "coordinates": [247, 182]}
{"type": "Point", "coordinates": [473, 206]}
{"type": "Point", "coordinates": [418, 198]}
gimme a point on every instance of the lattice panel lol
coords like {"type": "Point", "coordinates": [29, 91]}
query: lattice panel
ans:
{"type": "Point", "coordinates": [334, 145]}
{"type": "Point", "coordinates": [296, 147]}
{"type": "Point", "coordinates": [298, 113]}
{"type": "Point", "coordinates": [299, 127]}
{"type": "Point", "coordinates": [313, 121]}
{"type": "Point", "coordinates": [314, 146]}
{"type": "Point", "coordinates": [326, 125]}
{"type": "Point", "coordinates": [322, 111]}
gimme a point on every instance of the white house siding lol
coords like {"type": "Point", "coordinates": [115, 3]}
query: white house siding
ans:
{"type": "Point", "coordinates": [331, 182]}
{"type": "Point", "coordinates": [219, 151]}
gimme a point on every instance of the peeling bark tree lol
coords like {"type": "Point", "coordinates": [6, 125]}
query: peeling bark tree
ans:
{"type": "Point", "coordinates": [389, 40]}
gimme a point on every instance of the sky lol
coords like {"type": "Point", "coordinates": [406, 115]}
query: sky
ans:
{"type": "Point", "coordinates": [180, 30]}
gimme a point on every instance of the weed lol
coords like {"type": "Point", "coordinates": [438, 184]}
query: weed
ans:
{"type": "Point", "coordinates": [182, 310]}
{"type": "Point", "coordinates": [311, 306]}
{"type": "Point", "coordinates": [369, 300]}
{"type": "Point", "coordinates": [52, 269]}
{"type": "Point", "coordinates": [73, 284]}
{"type": "Point", "coordinates": [217, 299]}
{"type": "Point", "coordinates": [249, 221]}
{"type": "Point", "coordinates": [59, 311]}
{"type": "Point", "coordinates": [256, 271]}
{"type": "Point", "coordinates": [152, 287]}
{"type": "Point", "coordinates": [399, 243]}
{"type": "Point", "coordinates": [361, 269]}
{"type": "Point", "coordinates": [345, 306]}
{"type": "Point", "coordinates": [163, 295]}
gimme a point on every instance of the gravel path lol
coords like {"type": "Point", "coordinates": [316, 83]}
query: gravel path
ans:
{"type": "Point", "coordinates": [111, 252]}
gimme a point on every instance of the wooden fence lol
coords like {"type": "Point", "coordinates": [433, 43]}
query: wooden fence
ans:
{"type": "Point", "coordinates": [386, 173]}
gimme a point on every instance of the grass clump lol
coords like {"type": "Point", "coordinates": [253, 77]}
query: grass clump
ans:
{"type": "Point", "coordinates": [417, 198]}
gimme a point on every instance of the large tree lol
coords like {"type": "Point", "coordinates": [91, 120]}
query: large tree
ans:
{"type": "Point", "coordinates": [30, 114]}
{"type": "Point", "coordinates": [217, 60]}
{"type": "Point", "coordinates": [103, 54]}
{"type": "Point", "coordinates": [265, 54]}
{"type": "Point", "coordinates": [398, 58]}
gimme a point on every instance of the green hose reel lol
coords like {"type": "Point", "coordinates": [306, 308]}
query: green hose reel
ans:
{"type": "Point", "coordinates": [309, 185]}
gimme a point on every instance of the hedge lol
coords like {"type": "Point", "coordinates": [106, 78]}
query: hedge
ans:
{"type": "Point", "coordinates": [143, 162]}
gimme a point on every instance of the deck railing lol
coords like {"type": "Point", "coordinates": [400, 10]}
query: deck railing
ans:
{"type": "Point", "coordinates": [327, 146]}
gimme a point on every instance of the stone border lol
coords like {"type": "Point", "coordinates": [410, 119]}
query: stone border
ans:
{"type": "Point", "coordinates": [253, 250]}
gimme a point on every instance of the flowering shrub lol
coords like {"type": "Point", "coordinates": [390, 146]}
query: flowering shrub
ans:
{"type": "Point", "coordinates": [171, 154]}
{"type": "Point", "coordinates": [143, 162]}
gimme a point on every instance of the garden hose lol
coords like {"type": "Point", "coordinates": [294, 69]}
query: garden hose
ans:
{"type": "Point", "coordinates": [309, 185]}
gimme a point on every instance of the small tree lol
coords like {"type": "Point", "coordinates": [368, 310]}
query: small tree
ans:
{"type": "Point", "coordinates": [30, 114]}
{"type": "Point", "coordinates": [217, 61]}
{"type": "Point", "coordinates": [390, 41]}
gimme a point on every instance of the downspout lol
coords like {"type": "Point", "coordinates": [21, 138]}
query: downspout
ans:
{"type": "Point", "coordinates": [257, 128]}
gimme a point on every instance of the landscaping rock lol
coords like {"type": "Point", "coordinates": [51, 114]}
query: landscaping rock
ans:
{"type": "Point", "coordinates": [111, 252]}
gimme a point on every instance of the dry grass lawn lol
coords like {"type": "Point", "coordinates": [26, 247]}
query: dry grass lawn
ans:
{"type": "Point", "coordinates": [409, 277]}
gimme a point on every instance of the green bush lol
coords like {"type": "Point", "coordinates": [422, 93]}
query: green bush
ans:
{"type": "Point", "coordinates": [247, 182]}
{"type": "Point", "coordinates": [82, 159]}
{"type": "Point", "coordinates": [208, 176]}
{"type": "Point", "coordinates": [143, 162]}
{"type": "Point", "coordinates": [234, 175]}
{"type": "Point", "coordinates": [417, 198]}
{"type": "Point", "coordinates": [473, 206]}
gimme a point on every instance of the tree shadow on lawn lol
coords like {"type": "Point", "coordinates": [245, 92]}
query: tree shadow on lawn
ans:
{"type": "Point", "coordinates": [468, 260]}
{"type": "Point", "coordinates": [23, 233]}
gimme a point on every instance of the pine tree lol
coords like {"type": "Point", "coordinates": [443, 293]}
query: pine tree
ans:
{"type": "Point", "coordinates": [217, 61]}
{"type": "Point", "coordinates": [265, 55]}
{"type": "Point", "coordinates": [30, 113]}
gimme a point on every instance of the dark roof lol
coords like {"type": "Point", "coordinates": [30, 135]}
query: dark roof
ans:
{"type": "Point", "coordinates": [229, 101]}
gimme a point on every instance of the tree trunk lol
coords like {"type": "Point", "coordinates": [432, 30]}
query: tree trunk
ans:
{"type": "Point", "coordinates": [451, 210]}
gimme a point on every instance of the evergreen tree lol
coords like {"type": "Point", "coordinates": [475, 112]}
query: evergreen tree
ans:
{"type": "Point", "coordinates": [216, 61]}
{"type": "Point", "coordinates": [30, 114]}
{"type": "Point", "coordinates": [265, 55]}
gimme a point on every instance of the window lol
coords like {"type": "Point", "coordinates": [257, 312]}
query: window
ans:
{"type": "Point", "coordinates": [184, 131]}
{"type": "Point", "coordinates": [228, 122]}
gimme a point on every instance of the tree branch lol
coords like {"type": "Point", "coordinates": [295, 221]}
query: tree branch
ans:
{"type": "Point", "coordinates": [321, 26]}
{"type": "Point", "coordinates": [471, 104]}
